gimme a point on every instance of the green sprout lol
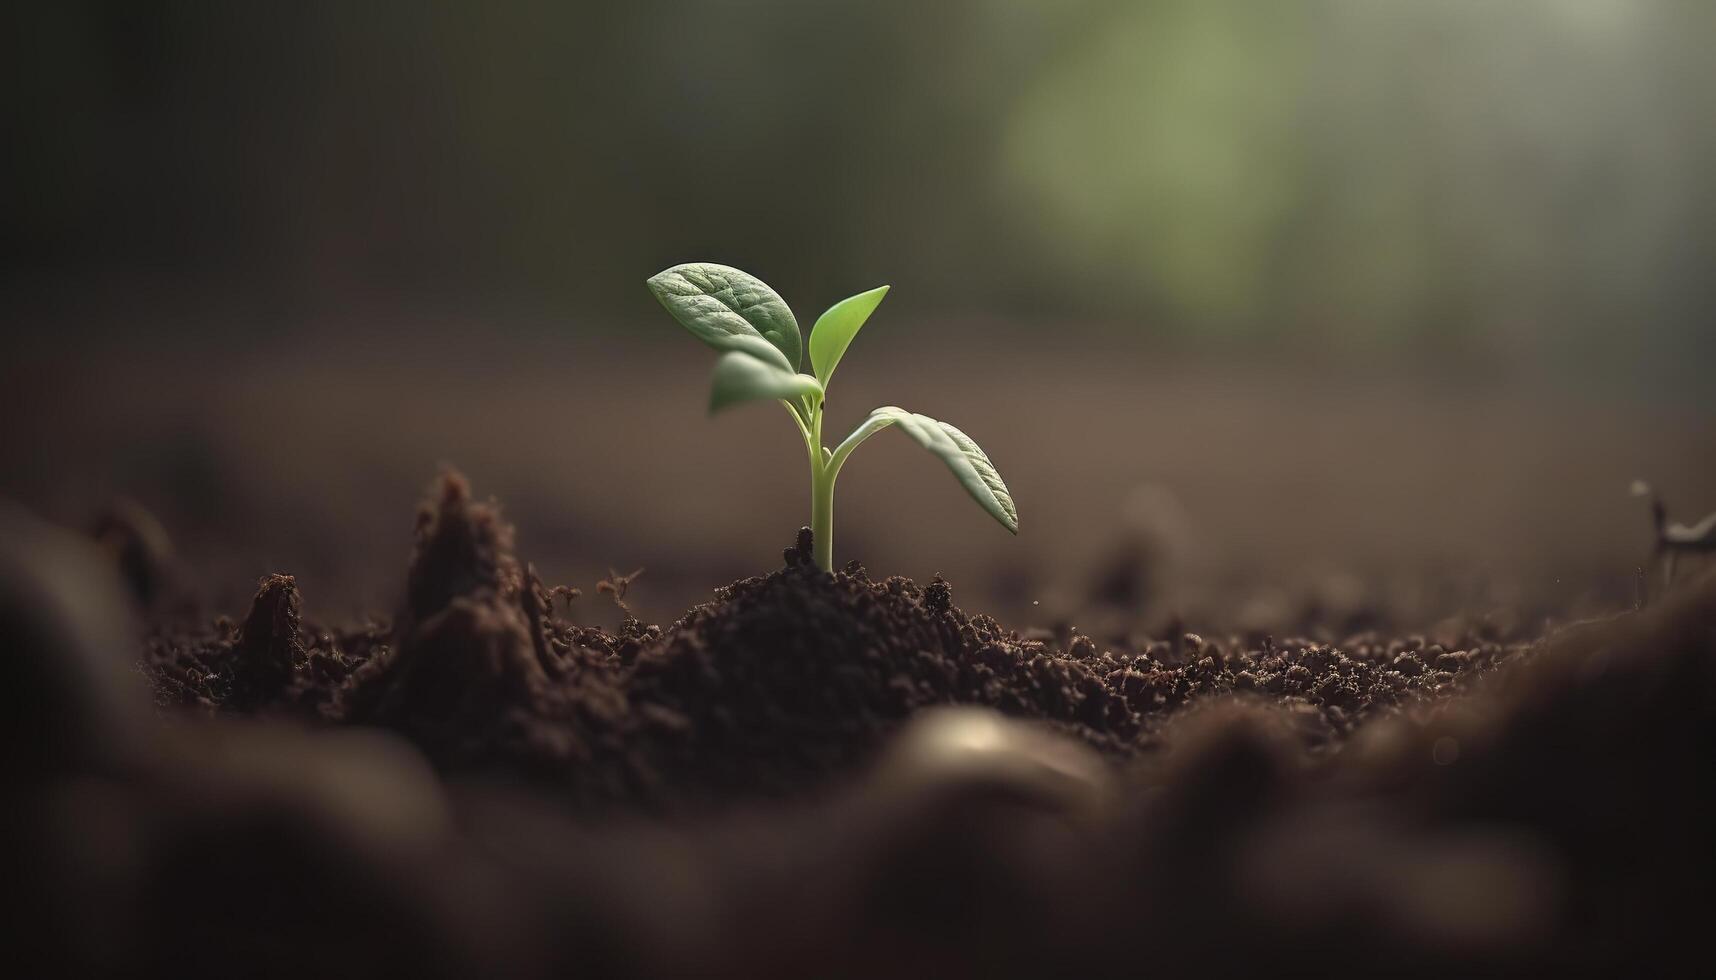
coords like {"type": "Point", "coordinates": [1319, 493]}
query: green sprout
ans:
{"type": "Point", "coordinates": [754, 329]}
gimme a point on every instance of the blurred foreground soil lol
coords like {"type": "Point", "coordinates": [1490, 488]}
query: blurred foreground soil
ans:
{"type": "Point", "coordinates": [1516, 808]}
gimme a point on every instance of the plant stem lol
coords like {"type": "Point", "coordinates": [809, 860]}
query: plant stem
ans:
{"type": "Point", "coordinates": [822, 515]}
{"type": "Point", "coordinates": [821, 497]}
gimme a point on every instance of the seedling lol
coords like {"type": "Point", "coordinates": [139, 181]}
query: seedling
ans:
{"type": "Point", "coordinates": [1674, 540]}
{"type": "Point", "coordinates": [754, 329]}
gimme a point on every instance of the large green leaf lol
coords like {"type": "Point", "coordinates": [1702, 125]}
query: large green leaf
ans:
{"type": "Point", "coordinates": [730, 310]}
{"type": "Point", "coordinates": [967, 461]}
{"type": "Point", "coordinates": [739, 377]}
{"type": "Point", "coordinates": [835, 329]}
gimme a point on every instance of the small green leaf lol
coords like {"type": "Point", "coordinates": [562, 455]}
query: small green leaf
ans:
{"type": "Point", "coordinates": [835, 329]}
{"type": "Point", "coordinates": [967, 461]}
{"type": "Point", "coordinates": [730, 310]}
{"type": "Point", "coordinates": [740, 377]}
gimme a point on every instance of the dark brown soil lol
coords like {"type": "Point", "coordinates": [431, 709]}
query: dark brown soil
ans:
{"type": "Point", "coordinates": [773, 786]}
{"type": "Point", "coordinates": [779, 683]}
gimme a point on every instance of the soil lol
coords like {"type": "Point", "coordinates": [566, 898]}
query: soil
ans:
{"type": "Point", "coordinates": [766, 787]}
{"type": "Point", "coordinates": [779, 684]}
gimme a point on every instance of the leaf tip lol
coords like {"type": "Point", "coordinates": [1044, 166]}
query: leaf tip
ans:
{"type": "Point", "coordinates": [657, 284]}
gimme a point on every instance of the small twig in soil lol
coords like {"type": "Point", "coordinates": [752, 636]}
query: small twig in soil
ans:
{"type": "Point", "coordinates": [615, 585]}
{"type": "Point", "coordinates": [566, 592]}
{"type": "Point", "coordinates": [1674, 540]}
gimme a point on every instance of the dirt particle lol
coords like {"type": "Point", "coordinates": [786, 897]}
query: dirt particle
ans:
{"type": "Point", "coordinates": [802, 552]}
{"type": "Point", "coordinates": [1453, 662]}
{"type": "Point", "coordinates": [938, 595]}
{"type": "Point", "coordinates": [1409, 664]}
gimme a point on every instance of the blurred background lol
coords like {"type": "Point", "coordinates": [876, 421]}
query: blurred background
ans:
{"type": "Point", "coordinates": [1258, 306]}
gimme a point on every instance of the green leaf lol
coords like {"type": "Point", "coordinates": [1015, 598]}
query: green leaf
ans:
{"type": "Point", "coordinates": [967, 461]}
{"type": "Point", "coordinates": [835, 329]}
{"type": "Point", "coordinates": [739, 377]}
{"type": "Point", "coordinates": [730, 310]}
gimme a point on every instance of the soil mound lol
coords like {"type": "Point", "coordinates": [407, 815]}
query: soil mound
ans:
{"type": "Point", "coordinates": [787, 678]}
{"type": "Point", "coordinates": [474, 677]}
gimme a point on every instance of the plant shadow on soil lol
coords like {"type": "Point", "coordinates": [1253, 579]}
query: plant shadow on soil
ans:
{"type": "Point", "coordinates": [780, 784]}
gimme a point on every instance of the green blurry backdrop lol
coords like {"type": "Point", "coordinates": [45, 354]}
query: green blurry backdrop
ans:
{"type": "Point", "coordinates": [1529, 179]}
